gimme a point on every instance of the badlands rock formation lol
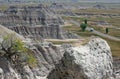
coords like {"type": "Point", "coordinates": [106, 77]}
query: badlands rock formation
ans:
{"type": "Point", "coordinates": [5, 31]}
{"type": "Point", "coordinates": [91, 61]}
{"type": "Point", "coordinates": [29, 15]}
{"type": "Point", "coordinates": [43, 31]}
{"type": "Point", "coordinates": [35, 22]}
{"type": "Point", "coordinates": [46, 57]}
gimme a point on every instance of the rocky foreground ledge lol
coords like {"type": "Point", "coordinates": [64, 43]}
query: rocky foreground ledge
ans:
{"type": "Point", "coordinates": [91, 61]}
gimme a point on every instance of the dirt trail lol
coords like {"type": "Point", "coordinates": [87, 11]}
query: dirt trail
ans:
{"type": "Point", "coordinates": [74, 42]}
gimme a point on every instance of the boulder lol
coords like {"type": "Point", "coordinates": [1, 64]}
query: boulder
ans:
{"type": "Point", "coordinates": [91, 61]}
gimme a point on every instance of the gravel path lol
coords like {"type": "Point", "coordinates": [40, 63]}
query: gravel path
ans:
{"type": "Point", "coordinates": [97, 32]}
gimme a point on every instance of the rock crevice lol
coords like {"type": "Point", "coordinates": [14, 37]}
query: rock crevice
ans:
{"type": "Point", "coordinates": [92, 61]}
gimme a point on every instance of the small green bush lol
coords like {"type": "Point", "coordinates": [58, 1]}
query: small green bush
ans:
{"type": "Point", "coordinates": [83, 26]}
{"type": "Point", "coordinates": [85, 21]}
{"type": "Point", "coordinates": [32, 60]}
{"type": "Point", "coordinates": [13, 46]}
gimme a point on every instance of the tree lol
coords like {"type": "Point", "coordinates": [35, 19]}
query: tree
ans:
{"type": "Point", "coordinates": [85, 21]}
{"type": "Point", "coordinates": [107, 30]}
{"type": "Point", "coordinates": [83, 26]}
{"type": "Point", "coordinates": [16, 51]}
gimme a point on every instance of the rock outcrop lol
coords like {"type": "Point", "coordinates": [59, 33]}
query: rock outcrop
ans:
{"type": "Point", "coordinates": [47, 56]}
{"type": "Point", "coordinates": [29, 15]}
{"type": "Point", "coordinates": [4, 31]}
{"type": "Point", "coordinates": [92, 61]}
{"type": "Point", "coordinates": [35, 22]}
{"type": "Point", "coordinates": [45, 32]}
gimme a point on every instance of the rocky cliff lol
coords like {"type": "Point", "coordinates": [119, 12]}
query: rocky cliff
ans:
{"type": "Point", "coordinates": [29, 15]}
{"type": "Point", "coordinates": [36, 22]}
{"type": "Point", "coordinates": [47, 56]}
{"type": "Point", "coordinates": [4, 31]}
{"type": "Point", "coordinates": [43, 31]}
{"type": "Point", "coordinates": [91, 61]}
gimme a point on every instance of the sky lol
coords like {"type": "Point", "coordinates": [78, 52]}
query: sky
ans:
{"type": "Point", "coordinates": [108, 1]}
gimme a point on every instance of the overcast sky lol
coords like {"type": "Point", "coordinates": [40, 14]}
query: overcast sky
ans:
{"type": "Point", "coordinates": [108, 1]}
{"type": "Point", "coordinates": [101, 1]}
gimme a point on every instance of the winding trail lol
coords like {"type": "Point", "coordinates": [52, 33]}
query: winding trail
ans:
{"type": "Point", "coordinates": [96, 32]}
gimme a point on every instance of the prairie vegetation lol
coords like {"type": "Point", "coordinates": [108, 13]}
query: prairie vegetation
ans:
{"type": "Point", "coordinates": [15, 50]}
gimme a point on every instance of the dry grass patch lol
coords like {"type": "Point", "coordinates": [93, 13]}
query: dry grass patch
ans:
{"type": "Point", "coordinates": [98, 11]}
{"type": "Point", "coordinates": [115, 47]}
{"type": "Point", "coordinates": [74, 42]}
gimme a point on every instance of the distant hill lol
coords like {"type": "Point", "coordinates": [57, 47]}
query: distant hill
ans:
{"type": "Point", "coordinates": [106, 1]}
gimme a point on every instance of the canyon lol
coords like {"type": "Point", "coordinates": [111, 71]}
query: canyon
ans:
{"type": "Point", "coordinates": [33, 25]}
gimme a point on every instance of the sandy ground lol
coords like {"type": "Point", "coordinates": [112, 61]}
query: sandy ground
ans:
{"type": "Point", "coordinates": [74, 42]}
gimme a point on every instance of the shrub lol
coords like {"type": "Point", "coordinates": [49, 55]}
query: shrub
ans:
{"type": "Point", "coordinates": [83, 26]}
{"type": "Point", "coordinates": [31, 60]}
{"type": "Point", "coordinates": [85, 21]}
{"type": "Point", "coordinates": [14, 47]}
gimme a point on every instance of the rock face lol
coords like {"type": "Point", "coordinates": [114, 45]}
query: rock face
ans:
{"type": "Point", "coordinates": [92, 61]}
{"type": "Point", "coordinates": [53, 31]}
{"type": "Point", "coordinates": [36, 22]}
{"type": "Point", "coordinates": [32, 15]}
{"type": "Point", "coordinates": [4, 31]}
{"type": "Point", "coordinates": [43, 32]}
{"type": "Point", "coordinates": [46, 32]}
{"type": "Point", "coordinates": [47, 56]}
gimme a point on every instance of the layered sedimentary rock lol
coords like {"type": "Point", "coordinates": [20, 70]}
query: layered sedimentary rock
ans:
{"type": "Point", "coordinates": [45, 53]}
{"type": "Point", "coordinates": [4, 31]}
{"type": "Point", "coordinates": [91, 61]}
{"type": "Point", "coordinates": [51, 31]}
{"type": "Point", "coordinates": [32, 15]}
{"type": "Point", "coordinates": [47, 56]}
{"type": "Point", "coordinates": [37, 22]}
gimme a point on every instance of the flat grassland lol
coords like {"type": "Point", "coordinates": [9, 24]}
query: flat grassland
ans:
{"type": "Point", "coordinates": [99, 23]}
{"type": "Point", "coordinates": [115, 45]}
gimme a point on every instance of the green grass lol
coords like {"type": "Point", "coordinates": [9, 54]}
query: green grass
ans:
{"type": "Point", "coordinates": [98, 11]}
{"type": "Point", "coordinates": [92, 21]}
{"type": "Point", "coordinates": [4, 7]}
{"type": "Point", "coordinates": [61, 42]}
{"type": "Point", "coordinates": [112, 31]}
{"type": "Point", "coordinates": [114, 21]}
{"type": "Point", "coordinates": [115, 45]}
{"type": "Point", "coordinates": [107, 5]}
